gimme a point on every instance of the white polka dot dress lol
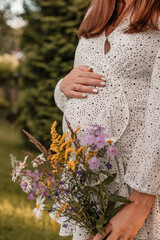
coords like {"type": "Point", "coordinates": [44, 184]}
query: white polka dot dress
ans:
{"type": "Point", "coordinates": [129, 108]}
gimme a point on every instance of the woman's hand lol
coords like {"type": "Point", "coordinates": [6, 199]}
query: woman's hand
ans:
{"type": "Point", "coordinates": [128, 221]}
{"type": "Point", "coordinates": [79, 81]}
{"type": "Point", "coordinates": [90, 238]}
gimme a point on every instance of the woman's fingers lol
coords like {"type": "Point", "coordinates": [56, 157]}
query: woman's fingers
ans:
{"type": "Point", "coordinates": [74, 94]}
{"type": "Point", "coordinates": [92, 75]}
{"type": "Point", "coordinates": [113, 236]}
{"type": "Point", "coordinates": [81, 81]}
{"type": "Point", "coordinates": [91, 82]}
{"type": "Point", "coordinates": [85, 89]}
{"type": "Point", "coordinates": [84, 68]}
{"type": "Point", "coordinates": [107, 231]}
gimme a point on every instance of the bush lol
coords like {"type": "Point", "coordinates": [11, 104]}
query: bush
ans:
{"type": "Point", "coordinates": [8, 67]}
{"type": "Point", "coordinates": [49, 41]}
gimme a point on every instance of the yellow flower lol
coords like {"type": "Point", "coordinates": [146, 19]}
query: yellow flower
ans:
{"type": "Point", "coordinates": [72, 165]}
{"type": "Point", "coordinates": [63, 146]}
{"type": "Point", "coordinates": [59, 212]}
{"type": "Point", "coordinates": [68, 151]}
{"type": "Point", "coordinates": [110, 141]}
{"type": "Point", "coordinates": [63, 138]}
{"type": "Point", "coordinates": [81, 150]}
{"type": "Point", "coordinates": [77, 129]}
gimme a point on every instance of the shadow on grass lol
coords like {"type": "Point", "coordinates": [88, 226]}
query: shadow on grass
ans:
{"type": "Point", "coordinates": [15, 228]}
{"type": "Point", "coordinates": [17, 221]}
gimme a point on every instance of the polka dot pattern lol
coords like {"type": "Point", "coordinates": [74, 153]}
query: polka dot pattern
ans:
{"type": "Point", "coordinates": [129, 108]}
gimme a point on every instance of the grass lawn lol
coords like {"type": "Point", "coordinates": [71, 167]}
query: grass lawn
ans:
{"type": "Point", "coordinates": [17, 221]}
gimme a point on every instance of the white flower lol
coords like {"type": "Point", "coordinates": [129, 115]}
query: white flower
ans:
{"type": "Point", "coordinates": [39, 206]}
{"type": "Point", "coordinates": [21, 166]}
{"type": "Point", "coordinates": [17, 167]}
{"type": "Point", "coordinates": [40, 159]}
{"type": "Point", "coordinates": [14, 175]}
{"type": "Point", "coordinates": [26, 184]}
{"type": "Point", "coordinates": [111, 140]}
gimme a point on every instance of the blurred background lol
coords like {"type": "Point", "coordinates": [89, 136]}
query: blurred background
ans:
{"type": "Point", "coordinates": [37, 46]}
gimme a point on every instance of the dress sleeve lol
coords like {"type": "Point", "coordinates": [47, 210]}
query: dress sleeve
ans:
{"type": "Point", "coordinates": [59, 97]}
{"type": "Point", "coordinates": [143, 170]}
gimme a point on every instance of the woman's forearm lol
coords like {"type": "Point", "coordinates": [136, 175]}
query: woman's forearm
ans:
{"type": "Point", "coordinates": [142, 199]}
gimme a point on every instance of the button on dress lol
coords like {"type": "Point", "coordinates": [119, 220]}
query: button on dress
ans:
{"type": "Point", "coordinates": [129, 108]}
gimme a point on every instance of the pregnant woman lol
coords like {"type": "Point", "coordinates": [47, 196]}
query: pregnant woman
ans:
{"type": "Point", "coordinates": [116, 83]}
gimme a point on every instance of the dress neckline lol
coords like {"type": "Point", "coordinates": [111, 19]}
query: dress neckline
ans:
{"type": "Point", "coordinates": [119, 25]}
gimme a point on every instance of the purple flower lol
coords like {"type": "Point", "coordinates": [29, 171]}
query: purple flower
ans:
{"type": "Point", "coordinates": [112, 151]}
{"type": "Point", "coordinates": [96, 129]}
{"type": "Point", "coordinates": [31, 196]}
{"type": "Point", "coordinates": [87, 139]}
{"type": "Point", "coordinates": [73, 208]}
{"type": "Point", "coordinates": [35, 175]}
{"type": "Point", "coordinates": [26, 184]}
{"type": "Point", "coordinates": [38, 187]}
{"type": "Point", "coordinates": [94, 163]}
{"type": "Point", "coordinates": [108, 165]}
{"type": "Point", "coordinates": [61, 183]}
{"type": "Point", "coordinates": [79, 173]}
{"type": "Point", "coordinates": [100, 141]}
{"type": "Point", "coordinates": [95, 137]}
{"type": "Point", "coordinates": [66, 192]}
{"type": "Point", "coordinates": [29, 173]}
{"type": "Point", "coordinates": [65, 225]}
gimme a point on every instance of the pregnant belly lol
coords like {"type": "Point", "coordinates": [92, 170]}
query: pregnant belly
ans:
{"type": "Point", "coordinates": [83, 112]}
{"type": "Point", "coordinates": [109, 108]}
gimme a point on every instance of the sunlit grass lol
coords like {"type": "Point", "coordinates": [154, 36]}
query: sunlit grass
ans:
{"type": "Point", "coordinates": [17, 221]}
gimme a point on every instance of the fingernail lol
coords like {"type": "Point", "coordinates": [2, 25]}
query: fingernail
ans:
{"type": "Point", "coordinates": [103, 83]}
{"type": "Point", "coordinates": [104, 78]}
{"type": "Point", "coordinates": [95, 90]}
{"type": "Point", "coordinates": [90, 68]}
{"type": "Point", "coordinates": [84, 95]}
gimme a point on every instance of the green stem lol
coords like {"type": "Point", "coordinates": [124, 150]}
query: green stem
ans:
{"type": "Point", "coordinates": [103, 202]}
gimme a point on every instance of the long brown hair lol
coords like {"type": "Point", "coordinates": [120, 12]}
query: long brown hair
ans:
{"type": "Point", "coordinates": [105, 13]}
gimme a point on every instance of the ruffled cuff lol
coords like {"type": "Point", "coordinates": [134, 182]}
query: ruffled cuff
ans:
{"type": "Point", "coordinates": [59, 97]}
{"type": "Point", "coordinates": [131, 182]}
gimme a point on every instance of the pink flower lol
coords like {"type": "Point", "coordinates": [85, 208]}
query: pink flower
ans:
{"type": "Point", "coordinates": [87, 139]}
{"type": "Point", "coordinates": [112, 151]}
{"type": "Point", "coordinates": [94, 163]}
{"type": "Point", "coordinates": [100, 141]}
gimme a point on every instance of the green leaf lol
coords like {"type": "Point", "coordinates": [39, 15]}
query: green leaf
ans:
{"type": "Point", "coordinates": [106, 173]}
{"type": "Point", "coordinates": [108, 180]}
{"type": "Point", "coordinates": [116, 198]}
{"type": "Point", "coordinates": [93, 190]}
{"type": "Point", "coordinates": [105, 190]}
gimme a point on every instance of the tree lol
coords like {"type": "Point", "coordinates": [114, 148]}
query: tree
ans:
{"type": "Point", "coordinates": [49, 41]}
{"type": "Point", "coordinates": [9, 36]}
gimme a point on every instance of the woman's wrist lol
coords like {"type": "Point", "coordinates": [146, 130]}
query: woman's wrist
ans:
{"type": "Point", "coordinates": [142, 200]}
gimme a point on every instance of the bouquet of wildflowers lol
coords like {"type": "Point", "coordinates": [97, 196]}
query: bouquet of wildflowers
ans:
{"type": "Point", "coordinates": [68, 178]}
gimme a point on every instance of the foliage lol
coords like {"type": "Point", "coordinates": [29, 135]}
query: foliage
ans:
{"type": "Point", "coordinates": [8, 76]}
{"type": "Point", "coordinates": [49, 41]}
{"type": "Point", "coordinates": [9, 37]}
{"type": "Point", "coordinates": [8, 67]}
